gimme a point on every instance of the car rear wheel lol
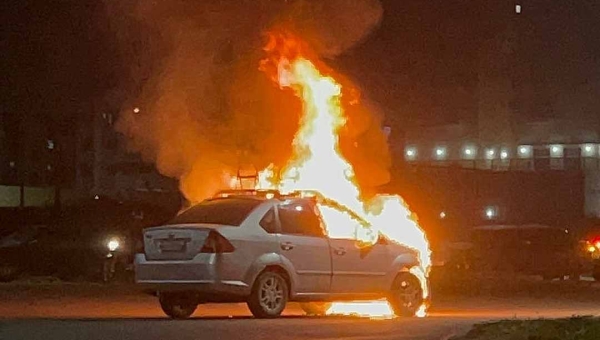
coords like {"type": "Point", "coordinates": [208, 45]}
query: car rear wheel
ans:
{"type": "Point", "coordinates": [177, 306]}
{"type": "Point", "coordinates": [406, 296]}
{"type": "Point", "coordinates": [315, 308]}
{"type": "Point", "coordinates": [269, 295]}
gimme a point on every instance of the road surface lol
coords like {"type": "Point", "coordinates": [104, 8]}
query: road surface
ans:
{"type": "Point", "coordinates": [65, 312]}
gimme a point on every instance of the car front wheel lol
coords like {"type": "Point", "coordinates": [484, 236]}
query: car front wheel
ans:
{"type": "Point", "coordinates": [177, 306]}
{"type": "Point", "coordinates": [269, 295]}
{"type": "Point", "coordinates": [406, 296]}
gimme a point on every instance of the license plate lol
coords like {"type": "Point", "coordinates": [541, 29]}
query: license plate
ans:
{"type": "Point", "coordinates": [172, 246]}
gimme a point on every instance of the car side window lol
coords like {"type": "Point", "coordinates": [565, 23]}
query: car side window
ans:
{"type": "Point", "coordinates": [297, 218]}
{"type": "Point", "coordinates": [268, 222]}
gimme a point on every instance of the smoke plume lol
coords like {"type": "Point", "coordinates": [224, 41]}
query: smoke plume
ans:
{"type": "Point", "coordinates": [205, 109]}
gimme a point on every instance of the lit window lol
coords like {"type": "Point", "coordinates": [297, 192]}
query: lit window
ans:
{"type": "Point", "coordinates": [443, 215]}
{"type": "Point", "coordinates": [525, 151]}
{"type": "Point", "coordinates": [556, 151]}
{"type": "Point", "coordinates": [518, 9]}
{"type": "Point", "coordinates": [50, 144]}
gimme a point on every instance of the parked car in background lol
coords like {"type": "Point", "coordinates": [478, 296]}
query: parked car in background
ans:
{"type": "Point", "coordinates": [93, 240]}
{"type": "Point", "coordinates": [266, 250]}
{"type": "Point", "coordinates": [590, 240]}
{"type": "Point", "coordinates": [530, 249]}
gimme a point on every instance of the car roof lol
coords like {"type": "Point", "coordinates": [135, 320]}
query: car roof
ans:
{"type": "Point", "coordinates": [306, 195]}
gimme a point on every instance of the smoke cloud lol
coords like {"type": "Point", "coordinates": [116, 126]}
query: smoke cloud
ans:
{"type": "Point", "coordinates": [205, 109]}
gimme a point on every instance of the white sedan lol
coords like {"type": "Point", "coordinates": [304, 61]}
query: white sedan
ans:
{"type": "Point", "coordinates": [266, 250]}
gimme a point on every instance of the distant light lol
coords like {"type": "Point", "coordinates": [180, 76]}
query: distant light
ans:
{"type": "Point", "coordinates": [136, 110]}
{"type": "Point", "coordinates": [469, 152]}
{"type": "Point", "coordinates": [525, 151]}
{"type": "Point", "coordinates": [518, 9]}
{"type": "Point", "coordinates": [12, 164]}
{"type": "Point", "coordinates": [440, 152]}
{"type": "Point", "coordinates": [556, 150]}
{"type": "Point", "coordinates": [588, 150]}
{"type": "Point", "coordinates": [298, 208]}
{"type": "Point", "coordinates": [96, 197]}
{"type": "Point", "coordinates": [490, 153]}
{"type": "Point", "coordinates": [411, 153]}
{"type": "Point", "coordinates": [50, 144]}
{"type": "Point", "coordinates": [443, 215]}
{"type": "Point", "coordinates": [49, 167]}
{"type": "Point", "coordinates": [504, 154]}
{"type": "Point", "coordinates": [113, 244]}
{"type": "Point", "coordinates": [490, 213]}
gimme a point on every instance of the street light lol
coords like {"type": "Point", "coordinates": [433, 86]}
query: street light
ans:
{"type": "Point", "coordinates": [588, 150]}
{"type": "Point", "coordinates": [440, 152]}
{"type": "Point", "coordinates": [490, 212]}
{"type": "Point", "coordinates": [469, 152]}
{"type": "Point", "coordinates": [525, 151]}
{"type": "Point", "coordinates": [556, 151]}
{"type": "Point", "coordinates": [411, 153]}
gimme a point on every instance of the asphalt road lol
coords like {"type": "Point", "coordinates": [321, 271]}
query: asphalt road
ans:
{"type": "Point", "coordinates": [92, 312]}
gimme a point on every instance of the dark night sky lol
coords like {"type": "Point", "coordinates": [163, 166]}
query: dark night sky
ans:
{"type": "Point", "coordinates": [419, 65]}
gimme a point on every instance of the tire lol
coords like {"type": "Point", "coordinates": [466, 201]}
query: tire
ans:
{"type": "Point", "coordinates": [406, 296]}
{"type": "Point", "coordinates": [269, 295]}
{"type": "Point", "coordinates": [315, 308]}
{"type": "Point", "coordinates": [176, 305]}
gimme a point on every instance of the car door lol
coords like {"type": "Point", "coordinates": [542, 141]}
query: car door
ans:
{"type": "Point", "coordinates": [356, 268]}
{"type": "Point", "coordinates": [303, 245]}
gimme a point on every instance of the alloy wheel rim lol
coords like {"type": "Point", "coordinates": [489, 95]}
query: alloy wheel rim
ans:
{"type": "Point", "coordinates": [271, 294]}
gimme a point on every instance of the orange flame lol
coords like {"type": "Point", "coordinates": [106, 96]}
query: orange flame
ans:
{"type": "Point", "coordinates": [317, 164]}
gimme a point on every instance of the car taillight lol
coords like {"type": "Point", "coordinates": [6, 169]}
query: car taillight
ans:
{"type": "Point", "coordinates": [216, 243]}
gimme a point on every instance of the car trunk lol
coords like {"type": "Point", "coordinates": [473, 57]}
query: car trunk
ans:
{"type": "Point", "coordinates": [175, 242]}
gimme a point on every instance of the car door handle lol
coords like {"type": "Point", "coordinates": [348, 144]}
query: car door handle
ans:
{"type": "Point", "coordinates": [340, 251]}
{"type": "Point", "coordinates": [287, 246]}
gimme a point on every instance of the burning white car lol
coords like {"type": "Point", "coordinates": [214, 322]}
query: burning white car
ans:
{"type": "Point", "coordinates": [266, 250]}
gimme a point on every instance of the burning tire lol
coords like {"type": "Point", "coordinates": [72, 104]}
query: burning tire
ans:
{"type": "Point", "coordinates": [406, 296]}
{"type": "Point", "coordinates": [269, 295]}
{"type": "Point", "coordinates": [177, 306]}
{"type": "Point", "coordinates": [315, 308]}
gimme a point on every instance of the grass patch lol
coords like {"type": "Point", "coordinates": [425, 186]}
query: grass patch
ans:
{"type": "Point", "coordinates": [576, 328]}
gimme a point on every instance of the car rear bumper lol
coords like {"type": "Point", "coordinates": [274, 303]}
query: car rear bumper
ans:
{"type": "Point", "coordinates": [198, 275]}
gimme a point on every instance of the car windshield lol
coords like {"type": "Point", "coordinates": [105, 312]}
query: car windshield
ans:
{"type": "Point", "coordinates": [224, 211]}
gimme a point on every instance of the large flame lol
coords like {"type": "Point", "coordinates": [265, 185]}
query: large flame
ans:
{"type": "Point", "coordinates": [317, 164]}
